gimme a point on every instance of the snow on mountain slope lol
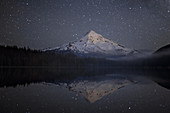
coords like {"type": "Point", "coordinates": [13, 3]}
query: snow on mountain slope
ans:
{"type": "Point", "coordinates": [93, 43]}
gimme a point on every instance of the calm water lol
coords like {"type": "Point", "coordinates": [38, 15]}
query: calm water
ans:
{"type": "Point", "coordinates": [107, 93]}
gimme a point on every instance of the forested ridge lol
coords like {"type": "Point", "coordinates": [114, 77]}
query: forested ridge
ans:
{"type": "Point", "coordinates": [14, 56]}
{"type": "Point", "coordinates": [24, 66]}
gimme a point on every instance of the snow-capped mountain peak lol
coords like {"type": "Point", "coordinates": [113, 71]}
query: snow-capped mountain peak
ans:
{"type": "Point", "coordinates": [94, 43]}
{"type": "Point", "coordinates": [95, 38]}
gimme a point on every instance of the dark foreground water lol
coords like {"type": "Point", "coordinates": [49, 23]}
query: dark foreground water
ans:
{"type": "Point", "coordinates": [135, 92]}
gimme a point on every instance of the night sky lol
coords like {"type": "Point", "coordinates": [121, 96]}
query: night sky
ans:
{"type": "Point", "coordinates": [139, 24]}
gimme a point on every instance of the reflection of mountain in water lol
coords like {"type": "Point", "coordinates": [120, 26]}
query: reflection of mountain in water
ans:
{"type": "Point", "coordinates": [96, 90]}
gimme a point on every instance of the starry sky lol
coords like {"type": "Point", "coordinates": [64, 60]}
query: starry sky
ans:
{"type": "Point", "coordinates": [38, 24]}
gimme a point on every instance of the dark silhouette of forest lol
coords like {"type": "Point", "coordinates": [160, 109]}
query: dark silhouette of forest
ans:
{"type": "Point", "coordinates": [25, 66]}
{"type": "Point", "coordinates": [25, 57]}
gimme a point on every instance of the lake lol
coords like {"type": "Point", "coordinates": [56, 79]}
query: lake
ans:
{"type": "Point", "coordinates": [133, 92]}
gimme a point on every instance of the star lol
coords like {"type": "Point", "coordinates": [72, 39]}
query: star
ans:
{"type": "Point", "coordinates": [127, 21]}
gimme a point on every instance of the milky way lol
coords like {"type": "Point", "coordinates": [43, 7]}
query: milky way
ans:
{"type": "Point", "coordinates": [139, 24]}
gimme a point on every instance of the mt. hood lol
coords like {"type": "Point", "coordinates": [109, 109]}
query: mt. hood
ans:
{"type": "Point", "coordinates": [93, 44]}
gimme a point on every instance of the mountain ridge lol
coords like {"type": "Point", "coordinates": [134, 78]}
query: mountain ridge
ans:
{"type": "Point", "coordinates": [163, 50]}
{"type": "Point", "coordinates": [94, 44]}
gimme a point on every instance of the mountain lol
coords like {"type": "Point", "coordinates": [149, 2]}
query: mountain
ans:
{"type": "Point", "coordinates": [93, 44]}
{"type": "Point", "coordinates": [164, 50]}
